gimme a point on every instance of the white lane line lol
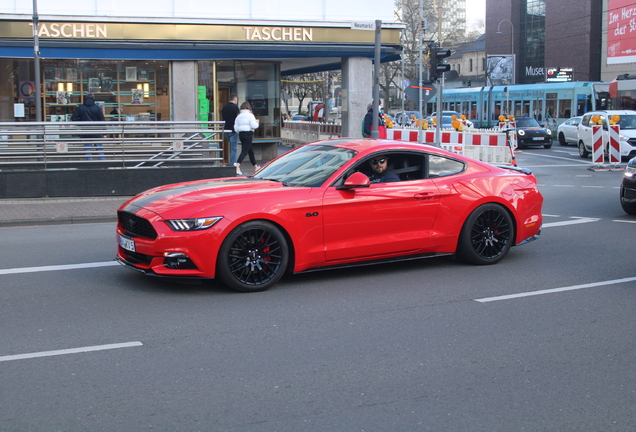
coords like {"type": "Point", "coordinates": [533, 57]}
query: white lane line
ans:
{"type": "Point", "coordinates": [596, 187]}
{"type": "Point", "coordinates": [549, 215]}
{"type": "Point", "coordinates": [57, 267]}
{"type": "Point", "coordinates": [555, 290]}
{"type": "Point", "coordinates": [576, 221]}
{"type": "Point", "coordinates": [624, 221]}
{"type": "Point", "coordinates": [69, 351]}
{"type": "Point", "coordinates": [563, 185]}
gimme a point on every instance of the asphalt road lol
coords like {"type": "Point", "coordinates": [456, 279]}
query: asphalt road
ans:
{"type": "Point", "coordinates": [539, 342]}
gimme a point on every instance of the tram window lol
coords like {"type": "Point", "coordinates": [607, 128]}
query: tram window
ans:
{"type": "Point", "coordinates": [565, 108]}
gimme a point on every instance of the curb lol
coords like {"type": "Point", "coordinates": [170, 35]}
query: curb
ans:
{"type": "Point", "coordinates": [58, 221]}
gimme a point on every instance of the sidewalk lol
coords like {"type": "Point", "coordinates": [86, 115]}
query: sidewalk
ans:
{"type": "Point", "coordinates": [54, 211]}
{"type": "Point", "coordinates": [67, 210]}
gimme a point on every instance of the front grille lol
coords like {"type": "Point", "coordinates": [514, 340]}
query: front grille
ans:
{"type": "Point", "coordinates": [632, 142]}
{"type": "Point", "coordinates": [136, 226]}
{"type": "Point", "coordinates": [137, 258]}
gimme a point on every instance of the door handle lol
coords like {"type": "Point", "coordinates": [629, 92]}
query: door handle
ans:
{"type": "Point", "coordinates": [424, 195]}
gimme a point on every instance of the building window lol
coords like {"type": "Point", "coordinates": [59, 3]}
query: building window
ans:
{"type": "Point", "coordinates": [532, 41]}
{"type": "Point", "coordinates": [471, 65]}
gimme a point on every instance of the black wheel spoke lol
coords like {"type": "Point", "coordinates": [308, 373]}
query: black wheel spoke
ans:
{"type": "Point", "coordinates": [255, 256]}
{"type": "Point", "coordinates": [490, 234]}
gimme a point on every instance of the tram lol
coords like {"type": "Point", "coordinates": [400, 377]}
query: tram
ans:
{"type": "Point", "coordinates": [549, 103]}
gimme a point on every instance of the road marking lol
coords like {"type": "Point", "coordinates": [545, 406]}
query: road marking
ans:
{"type": "Point", "coordinates": [69, 351]}
{"type": "Point", "coordinates": [555, 290]}
{"type": "Point", "coordinates": [57, 267]}
{"type": "Point", "coordinates": [549, 215]}
{"type": "Point", "coordinates": [563, 185]}
{"type": "Point", "coordinates": [579, 162]}
{"type": "Point", "coordinates": [597, 187]}
{"type": "Point", "coordinates": [625, 221]}
{"type": "Point", "coordinates": [576, 221]}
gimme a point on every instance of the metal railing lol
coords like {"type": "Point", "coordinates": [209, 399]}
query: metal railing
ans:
{"type": "Point", "coordinates": [53, 145]}
{"type": "Point", "coordinates": [296, 133]}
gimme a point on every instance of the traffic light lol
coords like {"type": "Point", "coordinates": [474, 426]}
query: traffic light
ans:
{"type": "Point", "coordinates": [437, 66]}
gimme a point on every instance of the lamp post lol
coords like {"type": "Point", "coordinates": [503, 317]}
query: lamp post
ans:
{"type": "Point", "coordinates": [512, 44]}
{"type": "Point", "coordinates": [36, 64]}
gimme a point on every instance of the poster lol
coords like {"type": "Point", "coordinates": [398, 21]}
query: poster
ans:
{"type": "Point", "coordinates": [137, 96]}
{"type": "Point", "coordinates": [621, 31]}
{"type": "Point", "coordinates": [94, 85]}
{"type": "Point", "coordinates": [500, 69]}
{"type": "Point", "coordinates": [131, 73]}
{"type": "Point", "coordinates": [257, 97]}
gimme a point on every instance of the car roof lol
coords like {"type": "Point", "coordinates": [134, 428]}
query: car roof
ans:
{"type": "Point", "coordinates": [364, 145]}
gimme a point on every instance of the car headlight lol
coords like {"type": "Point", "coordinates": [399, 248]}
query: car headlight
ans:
{"type": "Point", "coordinates": [630, 171]}
{"type": "Point", "coordinates": [192, 224]}
{"type": "Point", "coordinates": [623, 137]}
{"type": "Point", "coordinates": [548, 131]}
{"type": "Point", "coordinates": [521, 132]}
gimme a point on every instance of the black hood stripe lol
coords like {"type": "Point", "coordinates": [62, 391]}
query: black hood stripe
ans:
{"type": "Point", "coordinates": [145, 200]}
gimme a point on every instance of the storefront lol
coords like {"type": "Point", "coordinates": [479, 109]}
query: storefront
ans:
{"type": "Point", "coordinates": [167, 71]}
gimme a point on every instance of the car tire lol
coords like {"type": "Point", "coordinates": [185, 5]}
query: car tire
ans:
{"type": "Point", "coordinates": [562, 140]}
{"type": "Point", "coordinates": [547, 146]}
{"type": "Point", "coordinates": [253, 257]}
{"type": "Point", "coordinates": [486, 236]}
{"type": "Point", "coordinates": [629, 208]}
{"type": "Point", "coordinates": [583, 151]}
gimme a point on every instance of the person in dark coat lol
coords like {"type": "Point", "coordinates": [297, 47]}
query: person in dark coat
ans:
{"type": "Point", "coordinates": [90, 112]}
{"type": "Point", "coordinates": [229, 113]}
{"type": "Point", "coordinates": [368, 121]}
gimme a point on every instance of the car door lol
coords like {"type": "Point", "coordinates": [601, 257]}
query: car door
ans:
{"type": "Point", "coordinates": [585, 132]}
{"type": "Point", "coordinates": [380, 220]}
{"type": "Point", "coordinates": [571, 130]}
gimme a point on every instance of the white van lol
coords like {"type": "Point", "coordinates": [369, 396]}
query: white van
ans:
{"type": "Point", "coordinates": [627, 136]}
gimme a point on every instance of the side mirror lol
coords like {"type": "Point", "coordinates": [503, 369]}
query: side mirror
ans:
{"type": "Point", "coordinates": [355, 180]}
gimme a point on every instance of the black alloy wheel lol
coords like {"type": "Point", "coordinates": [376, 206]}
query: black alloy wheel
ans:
{"type": "Point", "coordinates": [486, 236]}
{"type": "Point", "coordinates": [562, 140]}
{"type": "Point", "coordinates": [253, 257]}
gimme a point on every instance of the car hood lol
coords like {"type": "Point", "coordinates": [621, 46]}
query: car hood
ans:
{"type": "Point", "coordinates": [192, 199]}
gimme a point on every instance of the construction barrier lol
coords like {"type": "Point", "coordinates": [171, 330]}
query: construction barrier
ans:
{"type": "Point", "coordinates": [491, 147]}
{"type": "Point", "coordinates": [597, 145]}
{"type": "Point", "coordinates": [614, 144]}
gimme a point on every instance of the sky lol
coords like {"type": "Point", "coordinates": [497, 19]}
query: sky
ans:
{"type": "Point", "coordinates": [475, 9]}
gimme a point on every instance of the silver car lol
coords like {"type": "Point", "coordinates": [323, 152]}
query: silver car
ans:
{"type": "Point", "coordinates": [568, 131]}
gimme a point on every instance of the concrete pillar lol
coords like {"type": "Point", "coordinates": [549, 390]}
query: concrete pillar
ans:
{"type": "Point", "coordinates": [357, 93]}
{"type": "Point", "coordinates": [184, 90]}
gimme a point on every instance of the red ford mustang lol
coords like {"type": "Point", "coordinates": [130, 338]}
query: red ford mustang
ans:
{"type": "Point", "coordinates": [326, 205]}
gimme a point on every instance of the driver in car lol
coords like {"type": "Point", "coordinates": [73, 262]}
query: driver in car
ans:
{"type": "Point", "coordinates": [379, 168]}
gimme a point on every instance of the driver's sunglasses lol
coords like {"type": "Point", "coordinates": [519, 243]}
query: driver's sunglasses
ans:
{"type": "Point", "coordinates": [378, 161]}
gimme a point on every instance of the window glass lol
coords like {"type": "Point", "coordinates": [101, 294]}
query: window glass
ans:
{"type": "Point", "coordinates": [124, 89]}
{"type": "Point", "coordinates": [255, 82]}
{"type": "Point", "coordinates": [439, 166]}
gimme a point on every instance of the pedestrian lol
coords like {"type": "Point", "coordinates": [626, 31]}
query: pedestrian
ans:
{"type": "Point", "coordinates": [90, 112]}
{"type": "Point", "coordinates": [367, 123]}
{"type": "Point", "coordinates": [245, 125]}
{"type": "Point", "coordinates": [229, 113]}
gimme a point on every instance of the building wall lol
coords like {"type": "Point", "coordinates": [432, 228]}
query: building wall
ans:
{"type": "Point", "coordinates": [572, 36]}
{"type": "Point", "coordinates": [211, 9]}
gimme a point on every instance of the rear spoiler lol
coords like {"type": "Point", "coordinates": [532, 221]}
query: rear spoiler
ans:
{"type": "Point", "coordinates": [523, 170]}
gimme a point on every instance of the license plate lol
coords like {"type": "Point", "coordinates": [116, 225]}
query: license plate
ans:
{"type": "Point", "coordinates": [537, 139]}
{"type": "Point", "coordinates": [127, 243]}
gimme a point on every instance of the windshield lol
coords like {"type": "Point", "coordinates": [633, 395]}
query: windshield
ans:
{"type": "Point", "coordinates": [527, 122]}
{"type": "Point", "coordinates": [308, 166]}
{"type": "Point", "coordinates": [627, 122]}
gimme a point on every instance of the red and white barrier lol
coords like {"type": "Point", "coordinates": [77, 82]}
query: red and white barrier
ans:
{"type": "Point", "coordinates": [597, 144]}
{"type": "Point", "coordinates": [614, 144]}
{"type": "Point", "coordinates": [488, 147]}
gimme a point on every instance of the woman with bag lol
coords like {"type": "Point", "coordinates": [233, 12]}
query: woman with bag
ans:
{"type": "Point", "coordinates": [245, 124]}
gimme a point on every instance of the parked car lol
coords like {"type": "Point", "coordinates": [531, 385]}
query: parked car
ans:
{"type": "Point", "coordinates": [568, 131]}
{"type": "Point", "coordinates": [450, 114]}
{"type": "Point", "coordinates": [320, 206]}
{"type": "Point", "coordinates": [405, 117]}
{"type": "Point", "coordinates": [299, 118]}
{"type": "Point", "coordinates": [628, 188]}
{"type": "Point", "coordinates": [627, 138]}
{"type": "Point", "coordinates": [531, 133]}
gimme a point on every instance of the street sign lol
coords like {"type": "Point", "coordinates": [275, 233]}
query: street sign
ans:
{"type": "Point", "coordinates": [558, 74]}
{"type": "Point", "coordinates": [363, 25]}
